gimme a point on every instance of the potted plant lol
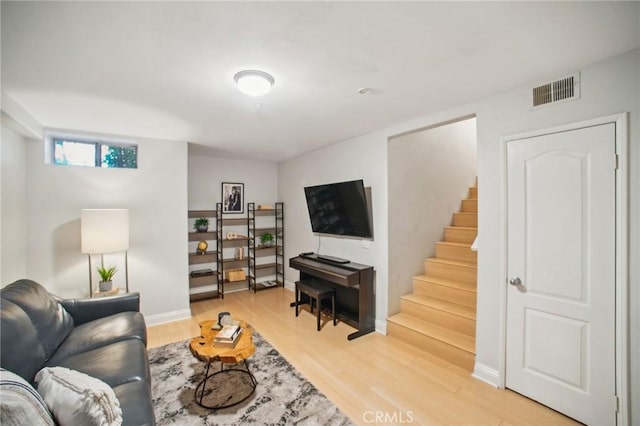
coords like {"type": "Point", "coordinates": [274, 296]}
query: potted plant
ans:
{"type": "Point", "coordinates": [107, 275]}
{"type": "Point", "coordinates": [266, 239]}
{"type": "Point", "coordinates": [201, 224]}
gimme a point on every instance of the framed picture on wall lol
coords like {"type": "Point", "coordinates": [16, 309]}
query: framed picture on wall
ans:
{"type": "Point", "coordinates": [232, 197]}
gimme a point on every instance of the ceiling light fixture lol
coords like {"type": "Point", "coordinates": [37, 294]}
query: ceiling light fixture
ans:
{"type": "Point", "coordinates": [253, 82]}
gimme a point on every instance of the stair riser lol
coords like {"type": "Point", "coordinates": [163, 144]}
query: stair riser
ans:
{"type": "Point", "coordinates": [450, 272]}
{"type": "Point", "coordinates": [473, 192]}
{"type": "Point", "coordinates": [440, 349]}
{"type": "Point", "coordinates": [465, 219]}
{"type": "Point", "coordinates": [448, 294]}
{"type": "Point", "coordinates": [464, 254]}
{"type": "Point", "coordinates": [469, 205]}
{"type": "Point", "coordinates": [455, 322]}
{"type": "Point", "coordinates": [460, 235]}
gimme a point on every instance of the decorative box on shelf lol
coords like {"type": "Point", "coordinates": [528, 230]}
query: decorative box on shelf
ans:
{"type": "Point", "coordinates": [235, 274]}
{"type": "Point", "coordinates": [201, 273]}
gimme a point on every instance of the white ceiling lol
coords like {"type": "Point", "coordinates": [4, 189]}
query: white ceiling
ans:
{"type": "Point", "coordinates": [165, 69]}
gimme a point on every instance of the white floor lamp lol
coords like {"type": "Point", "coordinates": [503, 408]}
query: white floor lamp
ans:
{"type": "Point", "coordinates": [105, 231]}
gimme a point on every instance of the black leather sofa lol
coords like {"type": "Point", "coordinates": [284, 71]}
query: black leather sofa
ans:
{"type": "Point", "coordinates": [102, 337]}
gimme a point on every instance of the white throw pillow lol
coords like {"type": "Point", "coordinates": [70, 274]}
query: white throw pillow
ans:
{"type": "Point", "coordinates": [20, 404]}
{"type": "Point", "coordinates": [76, 398]}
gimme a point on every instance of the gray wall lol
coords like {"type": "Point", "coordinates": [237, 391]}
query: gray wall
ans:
{"type": "Point", "coordinates": [430, 171]}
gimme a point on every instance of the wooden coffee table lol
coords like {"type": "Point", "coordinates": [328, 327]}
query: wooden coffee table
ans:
{"type": "Point", "coordinates": [204, 349]}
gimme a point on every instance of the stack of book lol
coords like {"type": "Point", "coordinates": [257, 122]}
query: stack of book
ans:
{"type": "Point", "coordinates": [228, 336]}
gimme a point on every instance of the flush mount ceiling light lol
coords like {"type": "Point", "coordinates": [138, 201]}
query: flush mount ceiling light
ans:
{"type": "Point", "coordinates": [253, 82]}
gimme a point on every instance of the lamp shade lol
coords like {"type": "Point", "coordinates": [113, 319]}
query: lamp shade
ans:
{"type": "Point", "coordinates": [104, 230]}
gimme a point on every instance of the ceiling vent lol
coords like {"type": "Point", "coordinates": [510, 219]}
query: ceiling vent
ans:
{"type": "Point", "coordinates": [565, 89]}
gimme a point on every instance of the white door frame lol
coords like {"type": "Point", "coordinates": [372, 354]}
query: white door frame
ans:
{"type": "Point", "coordinates": [622, 253]}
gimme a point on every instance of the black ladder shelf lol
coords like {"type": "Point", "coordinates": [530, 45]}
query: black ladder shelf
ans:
{"type": "Point", "coordinates": [276, 251]}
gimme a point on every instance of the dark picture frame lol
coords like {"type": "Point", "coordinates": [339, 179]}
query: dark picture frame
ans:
{"type": "Point", "coordinates": [233, 197]}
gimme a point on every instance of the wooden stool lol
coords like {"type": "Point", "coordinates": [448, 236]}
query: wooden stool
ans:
{"type": "Point", "coordinates": [316, 292]}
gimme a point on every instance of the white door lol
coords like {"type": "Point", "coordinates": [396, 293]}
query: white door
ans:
{"type": "Point", "coordinates": [561, 269]}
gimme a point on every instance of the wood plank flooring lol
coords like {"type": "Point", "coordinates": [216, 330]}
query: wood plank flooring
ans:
{"type": "Point", "coordinates": [374, 379]}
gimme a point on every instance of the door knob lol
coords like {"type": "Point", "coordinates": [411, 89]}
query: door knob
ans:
{"type": "Point", "coordinates": [515, 281]}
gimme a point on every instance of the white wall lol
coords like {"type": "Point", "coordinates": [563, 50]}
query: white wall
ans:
{"type": "Point", "coordinates": [207, 172]}
{"type": "Point", "coordinates": [14, 204]}
{"type": "Point", "coordinates": [608, 87]}
{"type": "Point", "coordinates": [430, 172]}
{"type": "Point", "coordinates": [359, 158]}
{"type": "Point", "coordinates": [156, 196]}
{"type": "Point", "coordinates": [17, 125]}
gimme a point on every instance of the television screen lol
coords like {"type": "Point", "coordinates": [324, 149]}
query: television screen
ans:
{"type": "Point", "coordinates": [339, 209]}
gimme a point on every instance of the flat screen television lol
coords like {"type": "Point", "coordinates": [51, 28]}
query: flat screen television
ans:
{"type": "Point", "coordinates": [339, 209]}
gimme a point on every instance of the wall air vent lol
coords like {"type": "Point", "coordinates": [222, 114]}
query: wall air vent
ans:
{"type": "Point", "coordinates": [565, 89]}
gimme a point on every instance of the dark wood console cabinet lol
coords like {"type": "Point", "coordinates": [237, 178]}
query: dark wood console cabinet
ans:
{"type": "Point", "coordinates": [355, 296]}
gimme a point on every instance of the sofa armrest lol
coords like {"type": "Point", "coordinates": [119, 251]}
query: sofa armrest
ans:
{"type": "Point", "coordinates": [85, 310]}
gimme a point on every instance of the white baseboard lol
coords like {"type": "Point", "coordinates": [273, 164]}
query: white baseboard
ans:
{"type": "Point", "coordinates": [290, 285]}
{"type": "Point", "coordinates": [381, 327]}
{"type": "Point", "coordinates": [486, 374]}
{"type": "Point", "coordinates": [167, 317]}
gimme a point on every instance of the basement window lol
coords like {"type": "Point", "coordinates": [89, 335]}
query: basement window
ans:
{"type": "Point", "coordinates": [74, 152]}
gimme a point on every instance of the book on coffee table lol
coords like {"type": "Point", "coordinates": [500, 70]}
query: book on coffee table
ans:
{"type": "Point", "coordinates": [225, 343]}
{"type": "Point", "coordinates": [227, 333]}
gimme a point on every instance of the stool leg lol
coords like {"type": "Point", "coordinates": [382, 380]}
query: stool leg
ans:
{"type": "Point", "coordinates": [319, 310]}
{"type": "Point", "coordinates": [333, 308]}
{"type": "Point", "coordinates": [297, 299]}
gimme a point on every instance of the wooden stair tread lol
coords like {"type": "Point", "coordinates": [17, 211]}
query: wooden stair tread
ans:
{"type": "Point", "coordinates": [467, 228]}
{"type": "Point", "coordinates": [446, 282]}
{"type": "Point", "coordinates": [443, 334]}
{"type": "Point", "coordinates": [455, 244]}
{"type": "Point", "coordinates": [441, 305]}
{"type": "Point", "coordinates": [451, 262]}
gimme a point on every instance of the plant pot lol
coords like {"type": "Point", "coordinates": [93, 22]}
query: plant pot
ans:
{"type": "Point", "coordinates": [267, 244]}
{"type": "Point", "coordinates": [105, 285]}
{"type": "Point", "coordinates": [202, 228]}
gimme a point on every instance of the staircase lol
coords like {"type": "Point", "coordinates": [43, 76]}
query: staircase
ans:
{"type": "Point", "coordinates": [440, 315]}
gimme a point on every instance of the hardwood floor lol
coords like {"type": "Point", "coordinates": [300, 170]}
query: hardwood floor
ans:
{"type": "Point", "coordinates": [374, 379]}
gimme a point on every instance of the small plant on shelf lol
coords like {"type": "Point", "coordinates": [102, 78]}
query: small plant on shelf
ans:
{"type": "Point", "coordinates": [266, 239]}
{"type": "Point", "coordinates": [107, 276]}
{"type": "Point", "coordinates": [201, 224]}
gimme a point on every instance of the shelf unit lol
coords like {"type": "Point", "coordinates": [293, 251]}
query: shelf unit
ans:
{"type": "Point", "coordinates": [224, 262]}
{"type": "Point", "coordinates": [266, 264]}
{"type": "Point", "coordinates": [203, 286]}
